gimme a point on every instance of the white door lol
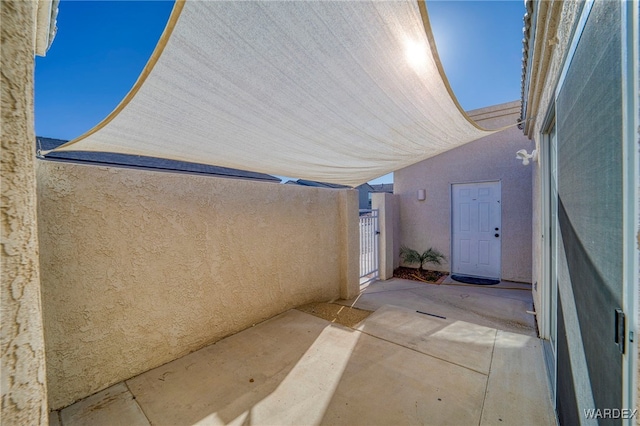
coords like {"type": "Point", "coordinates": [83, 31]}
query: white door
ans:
{"type": "Point", "coordinates": [476, 229]}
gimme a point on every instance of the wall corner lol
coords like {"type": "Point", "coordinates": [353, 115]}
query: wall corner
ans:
{"type": "Point", "coordinates": [24, 387]}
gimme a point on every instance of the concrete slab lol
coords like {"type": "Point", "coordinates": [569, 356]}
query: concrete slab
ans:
{"type": "Point", "coordinates": [54, 418]}
{"type": "Point", "coordinates": [299, 369]}
{"type": "Point", "coordinates": [224, 382]}
{"type": "Point", "coordinates": [392, 284]}
{"type": "Point", "coordinates": [387, 384]}
{"type": "Point", "coordinates": [398, 367]}
{"type": "Point", "coordinates": [113, 406]}
{"type": "Point", "coordinates": [518, 390]}
{"type": "Point", "coordinates": [465, 344]}
{"type": "Point", "coordinates": [507, 289]}
{"type": "Point", "coordinates": [498, 308]}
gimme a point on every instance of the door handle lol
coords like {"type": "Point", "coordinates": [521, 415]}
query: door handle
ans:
{"type": "Point", "coordinates": [497, 235]}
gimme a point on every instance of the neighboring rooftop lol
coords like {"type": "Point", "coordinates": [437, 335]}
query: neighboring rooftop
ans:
{"type": "Point", "coordinates": [383, 187]}
{"type": "Point", "coordinates": [139, 161]}
{"type": "Point", "coordinates": [320, 184]}
{"type": "Point", "coordinates": [313, 183]}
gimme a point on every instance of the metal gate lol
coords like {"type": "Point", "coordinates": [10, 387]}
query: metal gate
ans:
{"type": "Point", "coordinates": [368, 246]}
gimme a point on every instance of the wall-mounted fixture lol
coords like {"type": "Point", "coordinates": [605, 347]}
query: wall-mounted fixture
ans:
{"type": "Point", "coordinates": [422, 194]}
{"type": "Point", "coordinates": [525, 157]}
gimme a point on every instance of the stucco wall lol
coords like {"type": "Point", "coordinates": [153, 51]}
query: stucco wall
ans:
{"type": "Point", "coordinates": [23, 367]}
{"type": "Point", "coordinates": [396, 231]}
{"type": "Point", "coordinates": [141, 267]}
{"type": "Point", "coordinates": [386, 204]}
{"type": "Point", "coordinates": [425, 224]}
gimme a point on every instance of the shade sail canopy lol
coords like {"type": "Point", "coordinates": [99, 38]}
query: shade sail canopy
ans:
{"type": "Point", "coordinates": [333, 91]}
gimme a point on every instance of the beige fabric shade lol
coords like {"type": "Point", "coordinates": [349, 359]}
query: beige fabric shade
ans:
{"type": "Point", "coordinates": [334, 91]}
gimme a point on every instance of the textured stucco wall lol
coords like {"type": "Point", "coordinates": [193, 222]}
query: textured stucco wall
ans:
{"type": "Point", "coordinates": [349, 230]}
{"type": "Point", "coordinates": [141, 267]}
{"type": "Point", "coordinates": [385, 204]}
{"type": "Point", "coordinates": [425, 224]}
{"type": "Point", "coordinates": [23, 367]}
{"type": "Point", "coordinates": [396, 231]}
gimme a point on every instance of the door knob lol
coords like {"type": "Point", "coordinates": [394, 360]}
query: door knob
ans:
{"type": "Point", "coordinates": [497, 235]}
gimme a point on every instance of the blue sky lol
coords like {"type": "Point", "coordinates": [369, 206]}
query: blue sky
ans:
{"type": "Point", "coordinates": [101, 47]}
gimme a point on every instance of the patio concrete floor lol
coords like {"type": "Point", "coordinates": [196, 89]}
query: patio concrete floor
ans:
{"type": "Point", "coordinates": [502, 306]}
{"type": "Point", "coordinates": [396, 367]}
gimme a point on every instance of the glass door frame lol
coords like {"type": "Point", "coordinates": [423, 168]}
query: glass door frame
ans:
{"type": "Point", "coordinates": [549, 241]}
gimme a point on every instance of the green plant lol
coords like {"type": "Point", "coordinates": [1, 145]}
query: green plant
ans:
{"type": "Point", "coordinates": [432, 255]}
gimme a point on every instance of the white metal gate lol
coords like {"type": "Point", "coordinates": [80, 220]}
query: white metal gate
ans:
{"type": "Point", "coordinates": [368, 246]}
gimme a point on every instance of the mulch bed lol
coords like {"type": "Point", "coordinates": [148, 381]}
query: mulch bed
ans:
{"type": "Point", "coordinates": [415, 274]}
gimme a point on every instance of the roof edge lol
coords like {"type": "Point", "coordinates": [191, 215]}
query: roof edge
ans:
{"type": "Point", "coordinates": [527, 36]}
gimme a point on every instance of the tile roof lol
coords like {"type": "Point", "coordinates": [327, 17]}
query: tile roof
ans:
{"type": "Point", "coordinates": [138, 161]}
{"type": "Point", "coordinates": [526, 33]}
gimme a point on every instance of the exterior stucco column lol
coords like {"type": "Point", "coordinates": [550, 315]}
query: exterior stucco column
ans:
{"type": "Point", "coordinates": [384, 203]}
{"type": "Point", "coordinates": [350, 268]}
{"type": "Point", "coordinates": [24, 395]}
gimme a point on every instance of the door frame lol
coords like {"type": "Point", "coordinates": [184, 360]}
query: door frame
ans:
{"type": "Point", "coordinates": [548, 312]}
{"type": "Point", "coordinates": [630, 200]}
{"type": "Point", "coordinates": [451, 184]}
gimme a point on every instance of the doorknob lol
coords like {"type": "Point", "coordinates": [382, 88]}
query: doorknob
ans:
{"type": "Point", "coordinates": [497, 235]}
